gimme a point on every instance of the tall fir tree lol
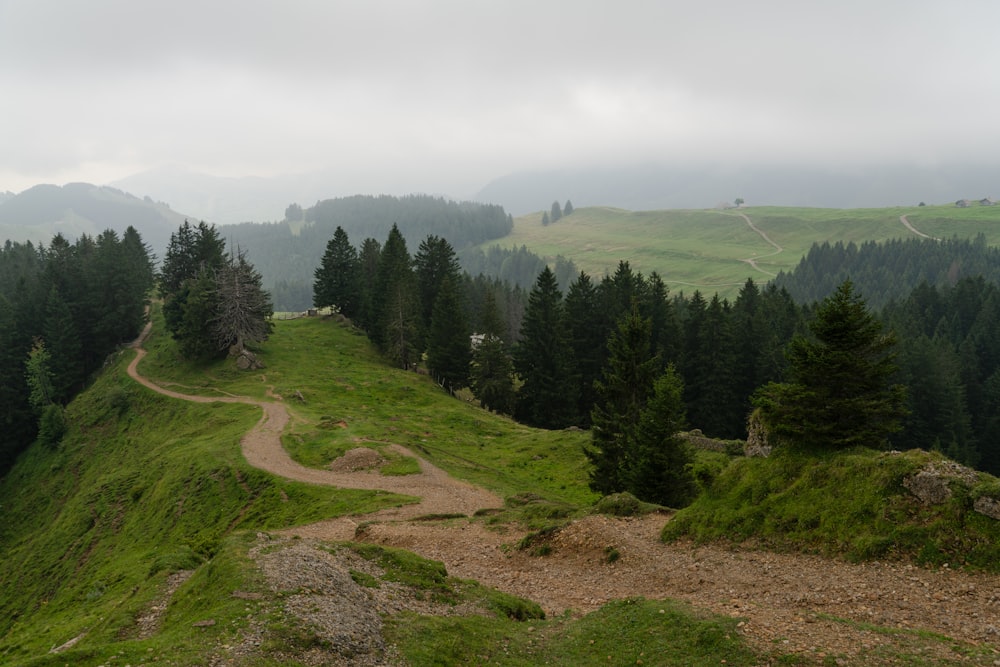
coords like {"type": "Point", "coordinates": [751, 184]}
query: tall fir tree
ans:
{"type": "Point", "coordinates": [368, 260]}
{"type": "Point", "coordinates": [434, 263]}
{"type": "Point", "coordinates": [587, 339]}
{"type": "Point", "coordinates": [841, 391]}
{"type": "Point", "coordinates": [622, 393]}
{"type": "Point", "coordinates": [660, 470]}
{"type": "Point", "coordinates": [337, 279]}
{"type": "Point", "coordinates": [243, 307]}
{"type": "Point", "coordinates": [448, 351]}
{"type": "Point", "coordinates": [543, 361]}
{"type": "Point", "coordinates": [63, 341]}
{"type": "Point", "coordinates": [395, 300]}
{"type": "Point", "coordinates": [491, 371]}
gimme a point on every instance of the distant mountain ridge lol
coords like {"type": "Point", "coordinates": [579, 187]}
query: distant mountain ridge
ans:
{"type": "Point", "coordinates": [40, 212]}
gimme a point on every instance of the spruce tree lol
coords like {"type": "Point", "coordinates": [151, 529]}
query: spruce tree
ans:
{"type": "Point", "coordinates": [543, 360]}
{"type": "Point", "coordinates": [448, 352]}
{"type": "Point", "coordinates": [660, 470]}
{"type": "Point", "coordinates": [63, 341]}
{"type": "Point", "coordinates": [337, 279]}
{"type": "Point", "coordinates": [556, 212]}
{"type": "Point", "coordinates": [243, 308]}
{"type": "Point", "coordinates": [434, 263]}
{"type": "Point", "coordinates": [840, 391]}
{"type": "Point", "coordinates": [622, 392]}
{"type": "Point", "coordinates": [368, 261]}
{"type": "Point", "coordinates": [394, 300]}
{"type": "Point", "coordinates": [587, 339]}
{"type": "Point", "coordinates": [491, 370]}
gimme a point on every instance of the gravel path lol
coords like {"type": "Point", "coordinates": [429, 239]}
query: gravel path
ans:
{"type": "Point", "coordinates": [789, 602]}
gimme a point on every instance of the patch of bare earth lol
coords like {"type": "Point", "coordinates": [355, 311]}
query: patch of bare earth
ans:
{"type": "Point", "coordinates": [790, 603]}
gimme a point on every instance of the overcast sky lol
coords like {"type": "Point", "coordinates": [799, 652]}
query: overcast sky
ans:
{"type": "Point", "coordinates": [403, 95]}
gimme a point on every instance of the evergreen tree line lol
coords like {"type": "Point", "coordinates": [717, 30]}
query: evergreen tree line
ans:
{"type": "Point", "coordinates": [558, 345]}
{"type": "Point", "coordinates": [63, 309]}
{"type": "Point", "coordinates": [517, 266]}
{"type": "Point", "coordinates": [287, 253]}
{"type": "Point", "coordinates": [949, 359]}
{"type": "Point", "coordinates": [417, 306]}
{"type": "Point", "coordinates": [889, 270]}
{"type": "Point", "coordinates": [213, 301]}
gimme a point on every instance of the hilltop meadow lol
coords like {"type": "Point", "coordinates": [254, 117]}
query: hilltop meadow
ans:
{"type": "Point", "coordinates": [709, 250]}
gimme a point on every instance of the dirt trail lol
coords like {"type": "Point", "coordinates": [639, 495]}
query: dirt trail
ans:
{"type": "Point", "coordinates": [752, 261]}
{"type": "Point", "coordinates": [906, 223]}
{"type": "Point", "coordinates": [790, 602]}
{"type": "Point", "coordinates": [439, 493]}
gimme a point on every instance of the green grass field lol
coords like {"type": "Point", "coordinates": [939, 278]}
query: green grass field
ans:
{"type": "Point", "coordinates": [707, 249]}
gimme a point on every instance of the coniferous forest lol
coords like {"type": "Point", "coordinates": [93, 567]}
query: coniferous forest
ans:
{"type": "Point", "coordinates": [63, 308]}
{"type": "Point", "coordinates": [545, 354]}
{"type": "Point", "coordinates": [552, 358]}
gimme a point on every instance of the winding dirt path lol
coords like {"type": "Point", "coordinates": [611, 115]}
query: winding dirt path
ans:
{"type": "Point", "coordinates": [438, 492]}
{"type": "Point", "coordinates": [791, 603]}
{"type": "Point", "coordinates": [906, 223]}
{"type": "Point", "coordinates": [752, 261]}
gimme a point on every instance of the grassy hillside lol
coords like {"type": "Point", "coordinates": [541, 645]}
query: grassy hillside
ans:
{"type": "Point", "coordinates": [141, 487]}
{"type": "Point", "coordinates": [706, 249]}
{"type": "Point", "coordinates": [144, 486]}
{"type": "Point", "coordinates": [851, 504]}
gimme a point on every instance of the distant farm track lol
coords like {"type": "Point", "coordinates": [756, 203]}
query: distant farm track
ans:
{"type": "Point", "coordinates": [752, 261]}
{"type": "Point", "coordinates": [906, 223]}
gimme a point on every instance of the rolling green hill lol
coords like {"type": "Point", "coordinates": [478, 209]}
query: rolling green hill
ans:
{"type": "Point", "coordinates": [709, 250]}
{"type": "Point", "coordinates": [144, 486]}
{"type": "Point", "coordinates": [147, 505]}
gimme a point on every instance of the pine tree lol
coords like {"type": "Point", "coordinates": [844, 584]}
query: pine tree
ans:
{"type": "Point", "coordinates": [840, 392]}
{"type": "Point", "coordinates": [395, 303]}
{"type": "Point", "coordinates": [547, 397]}
{"type": "Point", "coordinates": [434, 263]}
{"type": "Point", "coordinates": [196, 305]}
{"type": "Point", "coordinates": [587, 339]}
{"type": "Point", "coordinates": [193, 255]}
{"type": "Point", "coordinates": [492, 369]}
{"type": "Point", "coordinates": [368, 261]}
{"type": "Point", "coordinates": [568, 208]}
{"type": "Point", "coordinates": [243, 308]}
{"type": "Point", "coordinates": [63, 341]}
{"type": "Point", "coordinates": [337, 279]}
{"type": "Point", "coordinates": [661, 461]}
{"type": "Point", "coordinates": [556, 212]}
{"type": "Point", "coordinates": [622, 393]}
{"type": "Point", "coordinates": [448, 353]}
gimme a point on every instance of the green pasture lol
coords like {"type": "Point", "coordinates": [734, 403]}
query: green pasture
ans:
{"type": "Point", "coordinates": [707, 249]}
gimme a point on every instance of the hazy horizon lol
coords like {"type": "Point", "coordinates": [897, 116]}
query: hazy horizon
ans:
{"type": "Point", "coordinates": [446, 96]}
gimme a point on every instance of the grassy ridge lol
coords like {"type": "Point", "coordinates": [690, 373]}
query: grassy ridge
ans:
{"type": "Point", "coordinates": [142, 486]}
{"type": "Point", "coordinates": [340, 392]}
{"type": "Point", "coordinates": [703, 249]}
{"type": "Point", "coordinates": [849, 504]}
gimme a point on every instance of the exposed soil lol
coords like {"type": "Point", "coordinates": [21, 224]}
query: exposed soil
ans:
{"type": "Point", "coordinates": [790, 603]}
